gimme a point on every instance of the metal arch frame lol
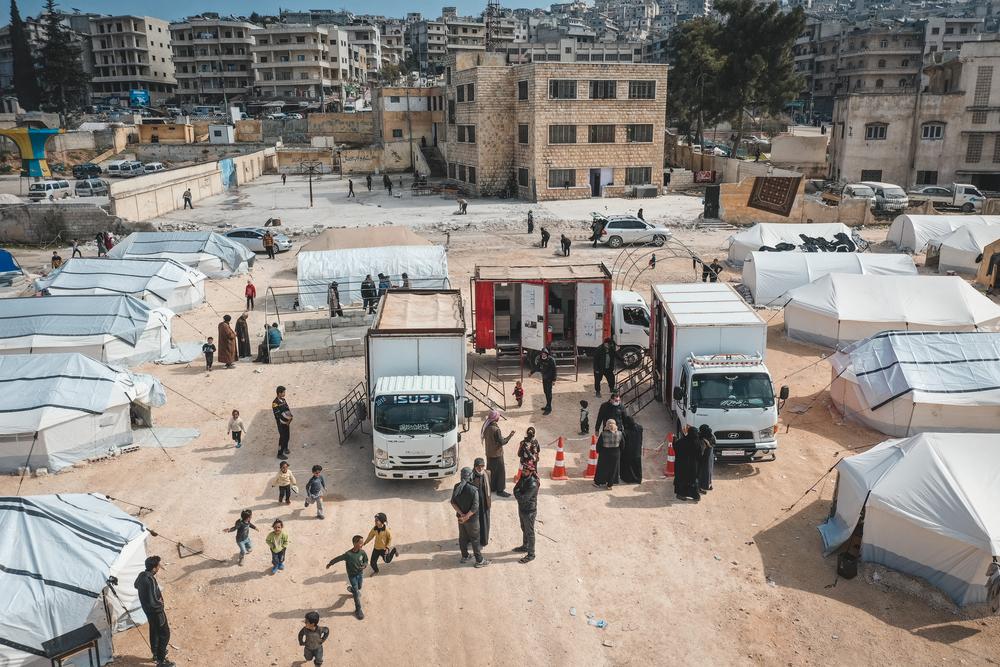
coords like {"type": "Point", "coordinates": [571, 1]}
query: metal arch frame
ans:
{"type": "Point", "coordinates": [638, 251]}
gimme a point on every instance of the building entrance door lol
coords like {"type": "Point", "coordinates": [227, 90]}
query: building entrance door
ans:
{"type": "Point", "coordinates": [595, 182]}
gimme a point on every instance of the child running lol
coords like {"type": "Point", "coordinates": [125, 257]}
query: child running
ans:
{"type": "Point", "coordinates": [237, 429]}
{"type": "Point", "coordinates": [356, 559]}
{"type": "Point", "coordinates": [315, 488]}
{"type": "Point", "coordinates": [518, 393]}
{"type": "Point", "coordinates": [284, 481]}
{"type": "Point", "coordinates": [242, 529]}
{"type": "Point", "coordinates": [209, 350]}
{"type": "Point", "coordinates": [278, 541]}
{"type": "Point", "coordinates": [383, 542]}
{"type": "Point", "coordinates": [311, 638]}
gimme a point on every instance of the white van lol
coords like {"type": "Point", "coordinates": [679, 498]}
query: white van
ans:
{"type": "Point", "coordinates": [151, 167]}
{"type": "Point", "coordinates": [49, 190]}
{"type": "Point", "coordinates": [125, 168]}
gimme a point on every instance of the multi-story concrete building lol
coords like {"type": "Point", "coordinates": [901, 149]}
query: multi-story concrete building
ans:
{"type": "Point", "coordinates": [408, 117]}
{"type": "Point", "coordinates": [568, 50]}
{"type": "Point", "coordinates": [213, 60]}
{"type": "Point", "coordinates": [948, 132]}
{"type": "Point", "coordinates": [553, 130]}
{"type": "Point", "coordinates": [429, 43]}
{"type": "Point", "coordinates": [367, 37]}
{"type": "Point", "coordinates": [79, 27]}
{"type": "Point", "coordinates": [949, 33]}
{"type": "Point", "coordinates": [132, 53]}
{"type": "Point", "coordinates": [394, 46]}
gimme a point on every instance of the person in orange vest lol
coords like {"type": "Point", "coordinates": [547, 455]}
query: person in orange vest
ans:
{"type": "Point", "coordinates": [251, 294]}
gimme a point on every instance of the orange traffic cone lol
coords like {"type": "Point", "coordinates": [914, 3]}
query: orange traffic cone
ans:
{"type": "Point", "coordinates": [559, 469]}
{"type": "Point", "coordinates": [669, 470]}
{"type": "Point", "coordinates": [592, 459]}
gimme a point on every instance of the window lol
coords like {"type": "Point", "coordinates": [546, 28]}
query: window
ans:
{"type": "Point", "coordinates": [884, 44]}
{"type": "Point", "coordinates": [447, 75]}
{"type": "Point", "coordinates": [903, 83]}
{"type": "Point", "coordinates": [878, 83]}
{"type": "Point", "coordinates": [522, 134]}
{"type": "Point", "coordinates": [461, 93]}
{"type": "Point", "coordinates": [871, 175]}
{"type": "Point", "coordinates": [472, 175]}
{"type": "Point", "coordinates": [875, 132]}
{"type": "Point", "coordinates": [927, 178]}
{"type": "Point", "coordinates": [452, 170]}
{"type": "Point", "coordinates": [881, 64]}
{"type": "Point", "coordinates": [984, 76]}
{"type": "Point", "coordinates": [996, 149]}
{"type": "Point", "coordinates": [935, 31]}
{"type": "Point", "coordinates": [639, 134]}
{"type": "Point", "coordinates": [963, 31]}
{"type": "Point", "coordinates": [638, 175]}
{"type": "Point", "coordinates": [974, 150]}
{"type": "Point", "coordinates": [397, 134]}
{"type": "Point", "coordinates": [905, 62]}
{"type": "Point", "coordinates": [461, 172]}
{"type": "Point", "coordinates": [562, 89]}
{"type": "Point", "coordinates": [467, 134]}
{"type": "Point", "coordinates": [641, 90]}
{"type": "Point", "coordinates": [603, 90]}
{"type": "Point", "coordinates": [601, 134]}
{"type": "Point", "coordinates": [932, 131]}
{"type": "Point", "coordinates": [949, 31]}
{"type": "Point", "coordinates": [979, 118]}
{"type": "Point", "coordinates": [451, 112]}
{"type": "Point", "coordinates": [562, 178]}
{"type": "Point", "coordinates": [394, 99]}
{"type": "Point", "coordinates": [522, 90]}
{"type": "Point", "coordinates": [562, 134]}
{"type": "Point", "coordinates": [522, 177]}
{"type": "Point", "coordinates": [635, 315]}
{"type": "Point", "coordinates": [470, 92]}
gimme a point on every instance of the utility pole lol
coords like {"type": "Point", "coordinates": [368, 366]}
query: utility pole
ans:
{"type": "Point", "coordinates": [311, 167]}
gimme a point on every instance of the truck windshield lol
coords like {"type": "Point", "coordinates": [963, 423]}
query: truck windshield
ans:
{"type": "Point", "coordinates": [414, 413]}
{"type": "Point", "coordinates": [728, 391]}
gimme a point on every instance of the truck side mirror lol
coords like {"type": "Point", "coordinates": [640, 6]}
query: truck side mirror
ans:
{"type": "Point", "coordinates": [783, 393]}
{"type": "Point", "coordinates": [469, 408]}
{"type": "Point", "coordinates": [678, 394]}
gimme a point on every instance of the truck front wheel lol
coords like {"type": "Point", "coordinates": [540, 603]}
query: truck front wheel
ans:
{"type": "Point", "coordinates": [630, 356]}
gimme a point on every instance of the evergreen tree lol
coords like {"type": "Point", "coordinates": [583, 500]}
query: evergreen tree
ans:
{"type": "Point", "coordinates": [63, 80]}
{"type": "Point", "coordinates": [694, 87]}
{"type": "Point", "coordinates": [25, 76]}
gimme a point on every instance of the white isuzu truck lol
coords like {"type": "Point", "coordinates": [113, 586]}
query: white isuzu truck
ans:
{"type": "Point", "coordinates": [708, 346]}
{"type": "Point", "coordinates": [415, 364]}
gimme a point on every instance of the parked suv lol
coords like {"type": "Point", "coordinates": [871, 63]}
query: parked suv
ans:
{"type": "Point", "coordinates": [86, 170]}
{"type": "Point", "coordinates": [622, 229]}
{"type": "Point", "coordinates": [91, 187]}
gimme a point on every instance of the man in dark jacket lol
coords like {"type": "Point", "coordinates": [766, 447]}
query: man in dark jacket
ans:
{"type": "Point", "coordinates": [151, 601]}
{"type": "Point", "coordinates": [465, 500]}
{"type": "Point", "coordinates": [547, 367]}
{"type": "Point", "coordinates": [369, 295]}
{"type": "Point", "coordinates": [604, 366]}
{"type": "Point", "coordinates": [610, 409]}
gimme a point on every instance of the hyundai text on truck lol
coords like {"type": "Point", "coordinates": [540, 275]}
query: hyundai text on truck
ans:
{"type": "Point", "coordinates": [522, 309]}
{"type": "Point", "coordinates": [415, 364]}
{"type": "Point", "coordinates": [707, 346]}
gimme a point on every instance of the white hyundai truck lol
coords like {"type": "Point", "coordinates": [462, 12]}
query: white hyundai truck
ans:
{"type": "Point", "coordinates": [415, 365]}
{"type": "Point", "coordinates": [708, 349]}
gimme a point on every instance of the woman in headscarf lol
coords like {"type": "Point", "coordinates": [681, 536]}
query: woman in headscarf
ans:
{"type": "Point", "coordinates": [706, 464]}
{"type": "Point", "coordinates": [631, 463]}
{"type": "Point", "coordinates": [608, 455]}
{"type": "Point", "coordinates": [333, 297]}
{"type": "Point", "coordinates": [687, 451]}
{"type": "Point", "coordinates": [243, 336]}
{"type": "Point", "coordinates": [227, 342]}
{"type": "Point", "coordinates": [494, 441]}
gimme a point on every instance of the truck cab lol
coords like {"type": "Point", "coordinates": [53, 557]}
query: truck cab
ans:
{"type": "Point", "coordinates": [733, 394]}
{"type": "Point", "coordinates": [629, 326]}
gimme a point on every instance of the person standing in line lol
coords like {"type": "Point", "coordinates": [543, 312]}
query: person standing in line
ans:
{"type": "Point", "coordinates": [604, 366]}
{"type": "Point", "coordinates": [545, 236]}
{"type": "Point", "coordinates": [481, 480]}
{"type": "Point", "coordinates": [269, 244]}
{"type": "Point", "coordinates": [608, 455]}
{"type": "Point", "coordinates": [208, 349]}
{"type": "Point", "coordinates": [631, 459]}
{"type": "Point", "coordinates": [584, 417]}
{"type": "Point", "coordinates": [187, 199]}
{"type": "Point", "coordinates": [547, 367]}
{"type": "Point", "coordinates": [355, 559]}
{"type": "Point", "coordinates": [368, 182]}
{"type": "Point", "coordinates": [383, 547]}
{"type": "Point", "coordinates": [333, 298]}
{"type": "Point", "coordinates": [76, 249]}
{"type": "Point", "coordinates": [526, 494]}
{"type": "Point", "coordinates": [285, 481]}
{"type": "Point", "coordinates": [494, 441]}
{"type": "Point", "coordinates": [151, 601]}
{"type": "Point", "coordinates": [242, 529]}
{"type": "Point", "coordinates": [465, 500]}
{"type": "Point", "coordinates": [610, 409]}
{"type": "Point", "coordinates": [284, 177]}
{"type": "Point", "coordinates": [243, 349]}
{"type": "Point", "coordinates": [706, 462]}
{"type": "Point", "coordinates": [350, 189]}
{"type": "Point", "coordinates": [369, 295]}
{"type": "Point", "coordinates": [311, 638]}
{"type": "Point", "coordinates": [687, 451]}
{"type": "Point", "coordinates": [277, 540]}
{"type": "Point", "coordinates": [531, 223]}
{"type": "Point", "coordinates": [250, 291]}
{"type": "Point", "coordinates": [315, 488]}
{"type": "Point", "coordinates": [237, 429]}
{"type": "Point", "coordinates": [639, 215]}
{"type": "Point", "coordinates": [383, 284]}
{"type": "Point", "coordinates": [102, 250]}
{"type": "Point", "coordinates": [283, 418]}
{"type": "Point", "coordinates": [406, 280]}
{"type": "Point", "coordinates": [227, 342]}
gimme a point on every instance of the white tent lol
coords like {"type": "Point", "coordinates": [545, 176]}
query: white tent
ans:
{"type": "Point", "coordinates": [113, 328]}
{"type": "Point", "coordinates": [838, 309]}
{"type": "Point", "coordinates": [348, 255]}
{"type": "Point", "coordinates": [13, 280]}
{"type": "Point", "coordinates": [907, 382]}
{"type": "Point", "coordinates": [158, 282]}
{"type": "Point", "coordinates": [214, 255]}
{"type": "Point", "coordinates": [960, 249]}
{"type": "Point", "coordinates": [773, 233]}
{"type": "Point", "coordinates": [61, 408]}
{"type": "Point", "coordinates": [58, 553]}
{"type": "Point", "coordinates": [930, 509]}
{"type": "Point", "coordinates": [912, 233]}
{"type": "Point", "coordinates": [769, 275]}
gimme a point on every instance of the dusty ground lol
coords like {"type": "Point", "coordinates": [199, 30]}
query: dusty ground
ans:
{"type": "Point", "coordinates": [735, 579]}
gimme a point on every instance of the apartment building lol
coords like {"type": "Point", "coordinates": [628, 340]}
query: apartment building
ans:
{"type": "Point", "coordinates": [79, 26]}
{"type": "Point", "coordinates": [394, 46]}
{"type": "Point", "coordinates": [307, 63]}
{"type": "Point", "coordinates": [367, 37]}
{"type": "Point", "coordinates": [213, 59]}
{"type": "Point", "coordinates": [553, 130]}
{"type": "Point", "coordinates": [948, 132]}
{"type": "Point", "coordinates": [568, 50]}
{"type": "Point", "coordinates": [132, 53]}
{"type": "Point", "coordinates": [408, 114]}
{"type": "Point", "coordinates": [429, 43]}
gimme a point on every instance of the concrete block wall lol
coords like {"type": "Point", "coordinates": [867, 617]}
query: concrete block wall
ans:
{"type": "Point", "coordinates": [288, 131]}
{"type": "Point", "coordinates": [347, 347]}
{"type": "Point", "coordinates": [44, 223]}
{"type": "Point", "coordinates": [350, 319]}
{"type": "Point", "coordinates": [348, 128]}
{"type": "Point", "coordinates": [192, 152]}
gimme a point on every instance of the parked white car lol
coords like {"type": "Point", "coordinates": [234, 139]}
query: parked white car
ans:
{"type": "Point", "coordinates": [151, 167]}
{"type": "Point", "coordinates": [58, 189]}
{"type": "Point", "coordinates": [622, 229]}
{"type": "Point", "coordinates": [92, 187]}
{"type": "Point", "coordinates": [253, 238]}
{"type": "Point", "coordinates": [888, 197]}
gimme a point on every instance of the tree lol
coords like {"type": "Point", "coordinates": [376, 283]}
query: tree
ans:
{"type": "Point", "coordinates": [63, 80]}
{"type": "Point", "coordinates": [694, 86]}
{"type": "Point", "coordinates": [389, 74]}
{"type": "Point", "coordinates": [25, 76]}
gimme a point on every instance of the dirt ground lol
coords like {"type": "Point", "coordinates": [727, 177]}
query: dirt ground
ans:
{"type": "Point", "coordinates": [734, 579]}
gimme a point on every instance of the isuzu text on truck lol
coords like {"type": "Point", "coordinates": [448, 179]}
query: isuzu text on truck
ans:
{"type": "Point", "coordinates": [707, 346]}
{"type": "Point", "coordinates": [415, 368]}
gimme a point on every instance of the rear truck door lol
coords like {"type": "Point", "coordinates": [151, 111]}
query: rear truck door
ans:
{"type": "Point", "coordinates": [484, 335]}
{"type": "Point", "coordinates": [590, 314]}
{"type": "Point", "coordinates": [532, 316]}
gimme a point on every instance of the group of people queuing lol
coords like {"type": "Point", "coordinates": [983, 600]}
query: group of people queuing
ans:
{"type": "Point", "coordinates": [694, 464]}
{"type": "Point", "coordinates": [233, 342]}
{"type": "Point", "coordinates": [619, 443]}
{"type": "Point", "coordinates": [371, 293]}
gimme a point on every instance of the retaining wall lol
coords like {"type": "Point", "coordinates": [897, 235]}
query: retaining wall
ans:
{"type": "Point", "coordinates": [44, 223]}
{"type": "Point", "coordinates": [345, 347]}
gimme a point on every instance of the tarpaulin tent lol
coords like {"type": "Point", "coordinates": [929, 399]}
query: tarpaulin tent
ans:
{"type": "Point", "coordinates": [348, 255]}
{"type": "Point", "coordinates": [907, 382]}
{"type": "Point", "coordinates": [58, 554]}
{"type": "Point", "coordinates": [157, 282]}
{"type": "Point", "coordinates": [12, 277]}
{"type": "Point", "coordinates": [930, 509]}
{"type": "Point", "coordinates": [912, 233]}
{"type": "Point", "coordinates": [773, 233]}
{"type": "Point", "coordinates": [769, 275]}
{"type": "Point", "coordinates": [61, 408]}
{"type": "Point", "coordinates": [838, 309]}
{"type": "Point", "coordinates": [112, 328]}
{"type": "Point", "coordinates": [214, 255]}
{"type": "Point", "coordinates": [961, 249]}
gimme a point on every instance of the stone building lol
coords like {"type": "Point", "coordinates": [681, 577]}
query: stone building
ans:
{"type": "Point", "coordinates": [408, 114]}
{"type": "Point", "coordinates": [948, 132]}
{"type": "Point", "coordinates": [132, 53]}
{"type": "Point", "coordinates": [213, 62]}
{"type": "Point", "coordinates": [553, 130]}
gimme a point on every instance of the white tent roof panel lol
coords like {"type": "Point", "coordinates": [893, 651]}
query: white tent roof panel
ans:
{"type": "Point", "coordinates": [769, 275]}
{"type": "Point", "coordinates": [773, 233]}
{"type": "Point", "coordinates": [960, 249]}
{"type": "Point", "coordinates": [912, 233]}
